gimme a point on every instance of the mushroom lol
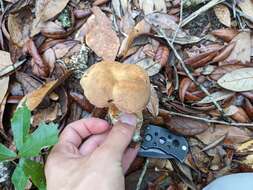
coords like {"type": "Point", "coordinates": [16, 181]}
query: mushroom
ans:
{"type": "Point", "coordinates": [120, 87]}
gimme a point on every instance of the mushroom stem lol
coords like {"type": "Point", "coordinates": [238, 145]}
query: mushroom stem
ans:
{"type": "Point", "coordinates": [114, 115]}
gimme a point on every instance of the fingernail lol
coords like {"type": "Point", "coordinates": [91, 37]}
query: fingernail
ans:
{"type": "Point", "coordinates": [129, 119]}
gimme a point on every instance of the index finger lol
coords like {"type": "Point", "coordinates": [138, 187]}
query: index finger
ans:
{"type": "Point", "coordinates": [75, 132]}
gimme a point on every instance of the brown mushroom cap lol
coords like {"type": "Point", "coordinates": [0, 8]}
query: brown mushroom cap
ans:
{"type": "Point", "coordinates": [126, 86]}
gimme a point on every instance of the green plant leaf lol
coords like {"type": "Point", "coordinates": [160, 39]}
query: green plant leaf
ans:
{"type": "Point", "coordinates": [44, 136]}
{"type": "Point", "coordinates": [20, 125]}
{"type": "Point", "coordinates": [19, 179]}
{"type": "Point", "coordinates": [6, 153]}
{"type": "Point", "coordinates": [34, 170]}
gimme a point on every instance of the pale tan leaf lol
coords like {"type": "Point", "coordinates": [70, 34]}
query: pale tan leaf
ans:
{"type": "Point", "coordinates": [45, 10]}
{"type": "Point", "coordinates": [246, 6]}
{"type": "Point", "coordinates": [102, 39]}
{"type": "Point", "coordinates": [150, 66]}
{"type": "Point", "coordinates": [242, 49]}
{"type": "Point", "coordinates": [249, 160]}
{"type": "Point", "coordinates": [216, 96]}
{"type": "Point", "coordinates": [153, 105]}
{"type": "Point", "coordinates": [223, 14]}
{"type": "Point", "coordinates": [245, 147]}
{"type": "Point", "coordinates": [239, 80]}
{"type": "Point", "coordinates": [4, 83]}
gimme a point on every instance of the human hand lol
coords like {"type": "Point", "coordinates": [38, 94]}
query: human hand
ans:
{"type": "Point", "coordinates": [97, 163]}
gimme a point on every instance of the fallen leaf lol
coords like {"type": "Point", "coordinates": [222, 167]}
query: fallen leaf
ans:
{"type": "Point", "coordinates": [248, 160]}
{"type": "Point", "coordinates": [216, 96]}
{"type": "Point", "coordinates": [186, 126]}
{"type": "Point", "coordinates": [246, 6]}
{"type": "Point", "coordinates": [245, 147]}
{"type": "Point", "coordinates": [19, 26]}
{"type": "Point", "coordinates": [226, 34]}
{"type": "Point", "coordinates": [6, 65]}
{"type": "Point", "coordinates": [239, 80]}
{"type": "Point", "coordinates": [39, 67]}
{"type": "Point", "coordinates": [141, 27]}
{"type": "Point", "coordinates": [234, 134]}
{"type": "Point", "coordinates": [223, 14]}
{"type": "Point", "coordinates": [48, 114]}
{"type": "Point", "coordinates": [120, 7]}
{"type": "Point", "coordinates": [150, 66]}
{"type": "Point", "coordinates": [102, 39]}
{"type": "Point", "coordinates": [168, 23]}
{"type": "Point", "coordinates": [242, 49]}
{"type": "Point", "coordinates": [224, 53]}
{"type": "Point", "coordinates": [149, 6]}
{"type": "Point", "coordinates": [34, 98]}
{"type": "Point", "coordinates": [223, 69]}
{"type": "Point", "coordinates": [4, 83]}
{"type": "Point", "coordinates": [45, 10]}
{"type": "Point", "coordinates": [153, 105]}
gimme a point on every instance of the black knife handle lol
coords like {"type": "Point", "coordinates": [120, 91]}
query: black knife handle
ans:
{"type": "Point", "coordinates": [166, 143]}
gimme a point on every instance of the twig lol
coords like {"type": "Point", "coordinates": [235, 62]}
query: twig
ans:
{"type": "Point", "coordinates": [201, 10]}
{"type": "Point", "coordinates": [145, 167]}
{"type": "Point", "coordinates": [162, 34]}
{"type": "Point", "coordinates": [208, 120]}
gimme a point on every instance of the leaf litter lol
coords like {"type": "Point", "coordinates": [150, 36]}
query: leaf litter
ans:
{"type": "Point", "coordinates": [198, 57]}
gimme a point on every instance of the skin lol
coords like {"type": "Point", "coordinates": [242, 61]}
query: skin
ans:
{"type": "Point", "coordinates": [92, 154]}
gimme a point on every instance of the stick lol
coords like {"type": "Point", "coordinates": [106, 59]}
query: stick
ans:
{"type": "Point", "coordinates": [145, 167]}
{"type": "Point", "coordinates": [162, 34]}
{"type": "Point", "coordinates": [201, 10]}
{"type": "Point", "coordinates": [208, 120]}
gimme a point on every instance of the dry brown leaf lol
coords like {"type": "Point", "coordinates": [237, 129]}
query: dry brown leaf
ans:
{"type": "Point", "coordinates": [19, 26]}
{"type": "Point", "coordinates": [45, 10]}
{"type": "Point", "coordinates": [242, 49]}
{"type": "Point", "coordinates": [224, 53]}
{"type": "Point", "coordinates": [226, 34]}
{"type": "Point", "coordinates": [186, 126]}
{"type": "Point", "coordinates": [102, 39]}
{"type": "Point", "coordinates": [223, 14]}
{"type": "Point", "coordinates": [153, 104]}
{"type": "Point", "coordinates": [234, 134]}
{"type": "Point", "coordinates": [246, 6]}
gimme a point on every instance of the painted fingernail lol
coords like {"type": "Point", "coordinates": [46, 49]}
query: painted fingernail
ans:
{"type": "Point", "coordinates": [129, 119]}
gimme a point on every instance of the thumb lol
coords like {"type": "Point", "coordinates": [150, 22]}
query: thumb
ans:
{"type": "Point", "coordinates": [120, 136]}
